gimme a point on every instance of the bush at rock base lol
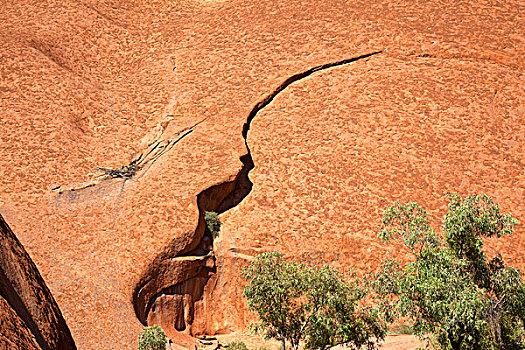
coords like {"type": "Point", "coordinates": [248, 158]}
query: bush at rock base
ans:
{"type": "Point", "coordinates": [152, 338]}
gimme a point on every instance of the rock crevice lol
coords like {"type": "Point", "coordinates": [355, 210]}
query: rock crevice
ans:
{"type": "Point", "coordinates": [177, 283]}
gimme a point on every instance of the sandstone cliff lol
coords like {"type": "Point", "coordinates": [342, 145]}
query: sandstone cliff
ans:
{"type": "Point", "coordinates": [157, 93]}
{"type": "Point", "coordinates": [29, 317]}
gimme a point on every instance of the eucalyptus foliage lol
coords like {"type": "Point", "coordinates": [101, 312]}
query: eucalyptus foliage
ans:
{"type": "Point", "coordinates": [152, 338]}
{"type": "Point", "coordinates": [297, 303]}
{"type": "Point", "coordinates": [451, 289]}
{"type": "Point", "coordinates": [213, 223]}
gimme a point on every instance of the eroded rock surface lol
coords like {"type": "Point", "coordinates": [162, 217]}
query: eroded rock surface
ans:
{"type": "Point", "coordinates": [15, 334]}
{"type": "Point", "coordinates": [87, 84]}
{"type": "Point", "coordinates": [29, 317]}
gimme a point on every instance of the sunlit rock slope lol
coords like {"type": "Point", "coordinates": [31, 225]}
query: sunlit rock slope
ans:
{"type": "Point", "coordinates": [157, 93]}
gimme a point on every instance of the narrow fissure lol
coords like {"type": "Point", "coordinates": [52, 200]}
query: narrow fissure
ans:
{"type": "Point", "coordinates": [155, 283]}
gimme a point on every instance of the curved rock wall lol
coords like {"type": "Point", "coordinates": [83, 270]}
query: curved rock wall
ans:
{"type": "Point", "coordinates": [30, 317]}
{"type": "Point", "coordinates": [14, 333]}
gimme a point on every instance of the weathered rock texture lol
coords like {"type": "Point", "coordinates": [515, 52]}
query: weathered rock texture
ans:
{"type": "Point", "coordinates": [87, 84]}
{"type": "Point", "coordinates": [29, 317]}
{"type": "Point", "coordinates": [15, 334]}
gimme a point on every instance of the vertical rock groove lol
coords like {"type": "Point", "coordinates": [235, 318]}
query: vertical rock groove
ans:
{"type": "Point", "coordinates": [181, 267]}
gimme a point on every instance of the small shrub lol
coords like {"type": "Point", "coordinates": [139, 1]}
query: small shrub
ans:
{"type": "Point", "coordinates": [405, 329]}
{"type": "Point", "coordinates": [237, 345]}
{"type": "Point", "coordinates": [152, 338]}
{"type": "Point", "coordinates": [212, 223]}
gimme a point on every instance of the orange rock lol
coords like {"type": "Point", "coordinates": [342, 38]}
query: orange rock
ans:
{"type": "Point", "coordinates": [91, 84]}
{"type": "Point", "coordinates": [29, 317]}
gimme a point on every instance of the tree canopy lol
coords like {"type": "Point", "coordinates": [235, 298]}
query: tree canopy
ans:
{"type": "Point", "coordinates": [297, 303]}
{"type": "Point", "coordinates": [451, 289]}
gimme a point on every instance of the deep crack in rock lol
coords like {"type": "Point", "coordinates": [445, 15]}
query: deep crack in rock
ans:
{"type": "Point", "coordinates": [185, 279]}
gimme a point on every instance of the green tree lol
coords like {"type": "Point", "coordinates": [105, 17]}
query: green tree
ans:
{"type": "Point", "coordinates": [152, 338]}
{"type": "Point", "coordinates": [315, 305]}
{"type": "Point", "coordinates": [451, 289]}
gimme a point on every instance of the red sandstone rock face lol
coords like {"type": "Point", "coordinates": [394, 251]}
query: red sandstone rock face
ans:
{"type": "Point", "coordinates": [30, 317]}
{"type": "Point", "coordinates": [15, 334]}
{"type": "Point", "coordinates": [92, 84]}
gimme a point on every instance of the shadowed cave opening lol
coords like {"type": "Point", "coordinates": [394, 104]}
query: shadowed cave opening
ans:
{"type": "Point", "coordinates": [174, 306]}
{"type": "Point", "coordinates": [206, 201]}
